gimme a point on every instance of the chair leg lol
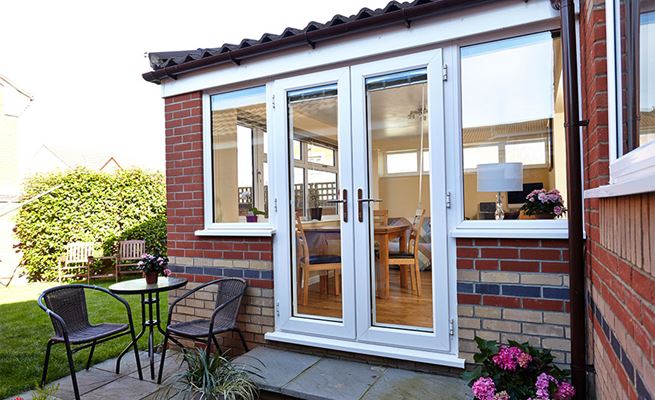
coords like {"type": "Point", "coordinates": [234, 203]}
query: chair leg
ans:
{"type": "Point", "coordinates": [45, 364]}
{"type": "Point", "coordinates": [305, 289]}
{"type": "Point", "coordinates": [417, 273]}
{"type": "Point", "coordinates": [136, 350]}
{"type": "Point", "coordinates": [243, 340]}
{"type": "Point", "coordinates": [71, 366]}
{"type": "Point", "coordinates": [337, 282]}
{"type": "Point", "coordinates": [88, 361]}
{"type": "Point", "coordinates": [209, 348]}
{"type": "Point", "coordinates": [218, 348]}
{"type": "Point", "coordinates": [163, 356]}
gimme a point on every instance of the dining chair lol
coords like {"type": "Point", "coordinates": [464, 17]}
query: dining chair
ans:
{"type": "Point", "coordinates": [228, 292]}
{"type": "Point", "coordinates": [408, 258]}
{"type": "Point", "coordinates": [381, 217]}
{"type": "Point", "coordinates": [66, 306]}
{"type": "Point", "coordinates": [314, 263]}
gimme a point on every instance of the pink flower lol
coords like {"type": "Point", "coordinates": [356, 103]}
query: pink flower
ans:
{"type": "Point", "coordinates": [508, 358]}
{"type": "Point", "coordinates": [542, 197]}
{"type": "Point", "coordinates": [524, 359]}
{"type": "Point", "coordinates": [484, 389]}
{"type": "Point", "coordinates": [501, 396]}
{"type": "Point", "coordinates": [167, 272]}
{"type": "Point", "coordinates": [565, 391]}
{"type": "Point", "coordinates": [542, 385]}
{"type": "Point", "coordinates": [557, 210]}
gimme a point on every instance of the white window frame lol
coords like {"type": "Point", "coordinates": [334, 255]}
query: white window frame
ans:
{"type": "Point", "coordinates": [211, 228]}
{"type": "Point", "coordinates": [630, 173]}
{"type": "Point", "coordinates": [523, 229]}
{"type": "Point", "coordinates": [304, 164]}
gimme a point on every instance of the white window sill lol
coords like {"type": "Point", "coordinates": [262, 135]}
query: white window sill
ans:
{"type": "Point", "coordinates": [622, 189]}
{"type": "Point", "coordinates": [428, 357]}
{"type": "Point", "coordinates": [256, 230]}
{"type": "Point", "coordinates": [513, 229]}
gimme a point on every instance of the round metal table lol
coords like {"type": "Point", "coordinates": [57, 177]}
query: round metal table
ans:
{"type": "Point", "coordinates": [149, 297]}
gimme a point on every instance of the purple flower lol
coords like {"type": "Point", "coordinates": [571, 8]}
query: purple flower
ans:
{"type": "Point", "coordinates": [542, 197]}
{"type": "Point", "coordinates": [542, 385]}
{"type": "Point", "coordinates": [484, 389]}
{"type": "Point", "coordinates": [565, 391]}
{"type": "Point", "coordinates": [167, 272]}
{"type": "Point", "coordinates": [508, 358]}
{"type": "Point", "coordinates": [557, 210]}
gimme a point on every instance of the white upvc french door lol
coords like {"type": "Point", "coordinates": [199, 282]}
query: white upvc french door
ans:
{"type": "Point", "coordinates": [313, 112]}
{"type": "Point", "coordinates": [387, 86]}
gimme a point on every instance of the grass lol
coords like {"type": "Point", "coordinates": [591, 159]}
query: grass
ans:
{"type": "Point", "coordinates": [25, 330]}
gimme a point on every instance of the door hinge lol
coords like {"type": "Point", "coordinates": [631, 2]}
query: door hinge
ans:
{"type": "Point", "coordinates": [273, 102]}
{"type": "Point", "coordinates": [448, 202]}
{"type": "Point", "coordinates": [445, 72]}
{"type": "Point", "coordinates": [451, 329]}
{"type": "Point", "coordinates": [277, 308]}
{"type": "Point", "coordinates": [275, 204]}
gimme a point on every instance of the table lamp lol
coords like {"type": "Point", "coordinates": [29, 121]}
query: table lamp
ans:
{"type": "Point", "coordinates": [503, 177]}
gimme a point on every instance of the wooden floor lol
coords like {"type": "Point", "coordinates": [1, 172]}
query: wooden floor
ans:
{"type": "Point", "coordinates": [403, 307]}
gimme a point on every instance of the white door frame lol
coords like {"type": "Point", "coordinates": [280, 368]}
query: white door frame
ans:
{"type": "Point", "coordinates": [439, 338]}
{"type": "Point", "coordinates": [284, 245]}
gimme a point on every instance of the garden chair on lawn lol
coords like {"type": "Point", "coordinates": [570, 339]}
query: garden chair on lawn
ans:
{"type": "Point", "coordinates": [66, 307]}
{"type": "Point", "coordinates": [76, 263]}
{"type": "Point", "coordinates": [128, 254]}
{"type": "Point", "coordinates": [229, 292]}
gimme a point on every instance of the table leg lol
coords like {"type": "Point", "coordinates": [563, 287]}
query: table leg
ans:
{"type": "Point", "coordinates": [384, 267]}
{"type": "Point", "coordinates": [404, 271]}
{"type": "Point", "coordinates": [136, 339]}
{"type": "Point", "coordinates": [151, 335]}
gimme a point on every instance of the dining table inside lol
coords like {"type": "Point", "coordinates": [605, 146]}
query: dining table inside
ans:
{"type": "Point", "coordinates": [383, 234]}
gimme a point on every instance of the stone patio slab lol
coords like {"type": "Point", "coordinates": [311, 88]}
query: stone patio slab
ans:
{"type": "Point", "coordinates": [123, 388]}
{"type": "Point", "coordinates": [87, 381]}
{"type": "Point", "coordinates": [334, 379]}
{"type": "Point", "coordinates": [275, 367]}
{"type": "Point", "coordinates": [128, 363]}
{"type": "Point", "coordinates": [398, 384]}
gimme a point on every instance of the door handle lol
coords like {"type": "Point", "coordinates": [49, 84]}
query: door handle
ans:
{"type": "Point", "coordinates": [344, 202]}
{"type": "Point", "coordinates": [360, 201]}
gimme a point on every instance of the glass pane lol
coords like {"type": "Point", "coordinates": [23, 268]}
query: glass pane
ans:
{"type": "Point", "coordinates": [426, 161]}
{"type": "Point", "coordinates": [238, 162]}
{"type": "Point", "coordinates": [319, 154]}
{"type": "Point", "coordinates": [316, 268]}
{"type": "Point", "coordinates": [398, 163]}
{"type": "Point", "coordinates": [513, 119]}
{"type": "Point", "coordinates": [401, 262]}
{"type": "Point", "coordinates": [647, 72]}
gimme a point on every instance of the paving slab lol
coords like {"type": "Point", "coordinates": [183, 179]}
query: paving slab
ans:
{"type": "Point", "coordinates": [128, 363]}
{"type": "Point", "coordinates": [174, 362]}
{"type": "Point", "coordinates": [87, 381]}
{"type": "Point", "coordinates": [275, 367]}
{"type": "Point", "coordinates": [398, 384]}
{"type": "Point", "coordinates": [123, 388]}
{"type": "Point", "coordinates": [334, 379]}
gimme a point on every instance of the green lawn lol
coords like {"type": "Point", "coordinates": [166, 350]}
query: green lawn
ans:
{"type": "Point", "coordinates": [25, 330]}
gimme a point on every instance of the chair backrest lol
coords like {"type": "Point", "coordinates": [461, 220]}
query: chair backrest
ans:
{"type": "Point", "coordinates": [228, 288]}
{"type": "Point", "coordinates": [303, 247]}
{"type": "Point", "coordinates": [79, 252]}
{"type": "Point", "coordinates": [381, 217]}
{"type": "Point", "coordinates": [415, 234]}
{"type": "Point", "coordinates": [131, 249]}
{"type": "Point", "coordinates": [69, 302]}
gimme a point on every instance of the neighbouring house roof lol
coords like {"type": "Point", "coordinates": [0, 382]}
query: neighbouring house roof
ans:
{"type": "Point", "coordinates": [59, 158]}
{"type": "Point", "coordinates": [5, 81]}
{"type": "Point", "coordinates": [16, 100]}
{"type": "Point", "coordinates": [170, 64]}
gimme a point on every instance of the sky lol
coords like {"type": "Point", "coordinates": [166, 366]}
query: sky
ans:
{"type": "Point", "coordinates": [82, 61]}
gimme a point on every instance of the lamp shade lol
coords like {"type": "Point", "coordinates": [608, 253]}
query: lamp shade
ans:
{"type": "Point", "coordinates": [505, 177]}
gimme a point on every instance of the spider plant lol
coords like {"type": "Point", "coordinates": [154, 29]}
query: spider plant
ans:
{"type": "Point", "coordinates": [212, 378]}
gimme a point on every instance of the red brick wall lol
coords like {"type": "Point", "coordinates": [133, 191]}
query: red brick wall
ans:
{"type": "Point", "coordinates": [620, 237]}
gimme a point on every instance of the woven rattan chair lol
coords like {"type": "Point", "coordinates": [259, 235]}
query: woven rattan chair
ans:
{"type": "Point", "coordinates": [66, 307]}
{"type": "Point", "coordinates": [229, 292]}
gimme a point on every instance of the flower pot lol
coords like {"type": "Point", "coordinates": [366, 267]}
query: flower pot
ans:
{"type": "Point", "coordinates": [251, 218]}
{"type": "Point", "coordinates": [151, 277]}
{"type": "Point", "coordinates": [316, 213]}
{"type": "Point", "coordinates": [537, 216]}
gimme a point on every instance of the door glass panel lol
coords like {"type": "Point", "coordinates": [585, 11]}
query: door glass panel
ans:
{"type": "Point", "coordinates": [316, 267]}
{"type": "Point", "coordinates": [399, 151]}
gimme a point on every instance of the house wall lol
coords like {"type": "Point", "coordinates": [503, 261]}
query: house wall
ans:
{"type": "Point", "coordinates": [507, 289]}
{"type": "Point", "coordinates": [620, 240]}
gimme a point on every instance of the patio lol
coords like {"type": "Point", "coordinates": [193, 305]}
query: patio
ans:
{"type": "Point", "coordinates": [286, 375]}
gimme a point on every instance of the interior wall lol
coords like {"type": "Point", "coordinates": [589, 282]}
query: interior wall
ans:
{"type": "Point", "coordinates": [400, 195]}
{"type": "Point", "coordinates": [224, 150]}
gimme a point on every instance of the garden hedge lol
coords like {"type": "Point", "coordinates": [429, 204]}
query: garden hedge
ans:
{"type": "Point", "coordinates": [88, 206]}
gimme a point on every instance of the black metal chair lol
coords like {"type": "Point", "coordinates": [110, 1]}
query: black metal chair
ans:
{"type": "Point", "coordinates": [229, 292]}
{"type": "Point", "coordinates": [67, 309]}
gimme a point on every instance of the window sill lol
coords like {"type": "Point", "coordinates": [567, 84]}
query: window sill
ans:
{"type": "Point", "coordinates": [259, 230]}
{"type": "Point", "coordinates": [532, 229]}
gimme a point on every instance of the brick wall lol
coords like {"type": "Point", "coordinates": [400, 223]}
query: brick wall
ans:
{"type": "Point", "coordinates": [620, 238]}
{"type": "Point", "coordinates": [201, 259]}
{"type": "Point", "coordinates": [513, 289]}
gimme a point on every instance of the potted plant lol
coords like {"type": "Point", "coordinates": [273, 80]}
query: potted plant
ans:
{"type": "Point", "coordinates": [252, 214]}
{"type": "Point", "coordinates": [315, 210]}
{"type": "Point", "coordinates": [152, 266]}
{"type": "Point", "coordinates": [542, 204]}
{"type": "Point", "coordinates": [210, 378]}
{"type": "Point", "coordinates": [516, 371]}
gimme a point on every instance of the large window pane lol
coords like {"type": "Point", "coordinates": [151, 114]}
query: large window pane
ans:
{"type": "Point", "coordinates": [512, 96]}
{"type": "Point", "coordinates": [239, 154]}
{"type": "Point", "coordinates": [399, 163]}
{"type": "Point", "coordinates": [647, 73]}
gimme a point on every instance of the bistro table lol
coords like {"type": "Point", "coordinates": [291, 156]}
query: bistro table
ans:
{"type": "Point", "coordinates": [149, 298]}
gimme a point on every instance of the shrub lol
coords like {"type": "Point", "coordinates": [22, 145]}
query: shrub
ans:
{"type": "Point", "coordinates": [88, 206]}
{"type": "Point", "coordinates": [516, 372]}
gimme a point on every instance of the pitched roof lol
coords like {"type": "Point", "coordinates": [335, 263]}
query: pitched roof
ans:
{"type": "Point", "coordinates": [170, 64]}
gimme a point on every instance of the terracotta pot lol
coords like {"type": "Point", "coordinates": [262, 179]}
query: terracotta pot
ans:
{"type": "Point", "coordinates": [151, 277]}
{"type": "Point", "coordinates": [316, 213]}
{"type": "Point", "coordinates": [537, 216]}
{"type": "Point", "coordinates": [251, 218]}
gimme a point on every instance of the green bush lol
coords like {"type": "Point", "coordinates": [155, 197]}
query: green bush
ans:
{"type": "Point", "coordinates": [91, 207]}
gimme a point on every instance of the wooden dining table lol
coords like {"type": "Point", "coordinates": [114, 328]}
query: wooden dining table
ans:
{"type": "Point", "coordinates": [382, 234]}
